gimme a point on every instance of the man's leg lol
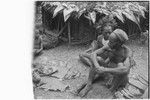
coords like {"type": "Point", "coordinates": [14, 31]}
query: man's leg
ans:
{"type": "Point", "coordinates": [89, 82]}
{"type": "Point", "coordinates": [118, 81]}
{"type": "Point", "coordinates": [85, 58]}
{"type": "Point", "coordinates": [91, 78]}
{"type": "Point", "coordinates": [94, 46]}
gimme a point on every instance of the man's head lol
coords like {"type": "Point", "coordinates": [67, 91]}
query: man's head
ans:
{"type": "Point", "coordinates": [117, 38]}
{"type": "Point", "coordinates": [106, 32]}
{"type": "Point", "coordinates": [37, 33]}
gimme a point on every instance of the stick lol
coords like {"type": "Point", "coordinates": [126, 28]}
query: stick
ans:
{"type": "Point", "coordinates": [69, 35]}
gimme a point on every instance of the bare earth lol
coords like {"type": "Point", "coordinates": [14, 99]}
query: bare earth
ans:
{"type": "Point", "coordinates": [70, 53]}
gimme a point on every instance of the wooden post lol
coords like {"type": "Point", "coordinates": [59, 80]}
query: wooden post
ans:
{"type": "Point", "coordinates": [69, 34]}
{"type": "Point", "coordinates": [62, 29]}
{"type": "Point", "coordinates": [58, 23]}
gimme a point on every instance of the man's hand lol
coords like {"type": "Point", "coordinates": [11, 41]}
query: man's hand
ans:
{"type": "Point", "coordinates": [100, 70]}
{"type": "Point", "coordinates": [121, 68]}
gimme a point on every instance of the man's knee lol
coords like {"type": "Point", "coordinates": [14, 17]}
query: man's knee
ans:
{"type": "Point", "coordinates": [100, 60]}
{"type": "Point", "coordinates": [81, 56]}
{"type": "Point", "coordinates": [85, 59]}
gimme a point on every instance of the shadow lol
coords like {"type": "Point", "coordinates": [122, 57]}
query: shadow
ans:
{"type": "Point", "coordinates": [99, 79]}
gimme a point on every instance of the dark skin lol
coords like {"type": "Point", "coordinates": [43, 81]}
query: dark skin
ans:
{"type": "Point", "coordinates": [98, 65]}
{"type": "Point", "coordinates": [105, 33]}
{"type": "Point", "coordinates": [85, 57]}
{"type": "Point", "coordinates": [38, 46]}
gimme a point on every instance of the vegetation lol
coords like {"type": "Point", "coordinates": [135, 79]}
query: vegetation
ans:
{"type": "Point", "coordinates": [129, 14]}
{"type": "Point", "coordinates": [132, 10]}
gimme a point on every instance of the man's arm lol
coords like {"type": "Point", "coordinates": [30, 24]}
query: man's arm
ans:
{"type": "Point", "coordinates": [130, 55]}
{"type": "Point", "coordinates": [121, 68]}
{"type": "Point", "coordinates": [94, 55]}
{"type": "Point", "coordinates": [88, 50]}
{"type": "Point", "coordinates": [41, 43]}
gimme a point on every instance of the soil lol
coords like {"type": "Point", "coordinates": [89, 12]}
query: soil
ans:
{"type": "Point", "coordinates": [65, 52]}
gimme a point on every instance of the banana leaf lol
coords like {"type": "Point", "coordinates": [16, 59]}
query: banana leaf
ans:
{"type": "Point", "coordinates": [118, 15]}
{"type": "Point", "coordinates": [67, 13]}
{"type": "Point", "coordinates": [59, 8]}
{"type": "Point", "coordinates": [129, 14]}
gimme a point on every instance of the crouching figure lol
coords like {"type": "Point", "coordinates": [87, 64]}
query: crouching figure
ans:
{"type": "Point", "coordinates": [112, 59]}
{"type": "Point", "coordinates": [38, 46]}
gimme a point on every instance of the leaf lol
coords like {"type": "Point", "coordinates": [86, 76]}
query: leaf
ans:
{"type": "Point", "coordinates": [56, 3]}
{"type": "Point", "coordinates": [59, 8]}
{"type": "Point", "coordinates": [101, 4]}
{"type": "Point", "coordinates": [93, 16]}
{"type": "Point", "coordinates": [98, 9]}
{"type": "Point", "coordinates": [43, 3]}
{"type": "Point", "coordinates": [67, 12]}
{"type": "Point", "coordinates": [142, 9]}
{"type": "Point", "coordinates": [53, 84]}
{"type": "Point", "coordinates": [81, 12]}
{"type": "Point", "coordinates": [130, 16]}
{"type": "Point", "coordinates": [138, 18]}
{"type": "Point", "coordinates": [60, 66]}
{"type": "Point", "coordinates": [72, 74]}
{"type": "Point", "coordinates": [143, 13]}
{"type": "Point", "coordinates": [87, 16]}
{"type": "Point", "coordinates": [106, 12]}
{"type": "Point", "coordinates": [74, 7]}
{"type": "Point", "coordinates": [104, 4]}
{"type": "Point", "coordinates": [65, 5]}
{"type": "Point", "coordinates": [135, 7]}
{"type": "Point", "coordinates": [118, 14]}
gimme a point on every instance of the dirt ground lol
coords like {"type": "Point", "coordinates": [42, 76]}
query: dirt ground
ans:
{"type": "Point", "coordinates": [69, 53]}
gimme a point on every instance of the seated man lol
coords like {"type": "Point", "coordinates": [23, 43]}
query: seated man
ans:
{"type": "Point", "coordinates": [112, 58]}
{"type": "Point", "coordinates": [101, 41]}
{"type": "Point", "coordinates": [38, 47]}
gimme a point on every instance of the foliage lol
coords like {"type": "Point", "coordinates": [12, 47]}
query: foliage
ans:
{"type": "Point", "coordinates": [111, 10]}
{"type": "Point", "coordinates": [131, 10]}
{"type": "Point", "coordinates": [105, 21]}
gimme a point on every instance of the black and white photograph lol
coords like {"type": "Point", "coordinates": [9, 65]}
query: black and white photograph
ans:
{"type": "Point", "coordinates": [90, 50]}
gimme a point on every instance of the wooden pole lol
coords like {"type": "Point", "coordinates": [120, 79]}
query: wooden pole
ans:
{"type": "Point", "coordinates": [69, 34]}
{"type": "Point", "coordinates": [58, 23]}
{"type": "Point", "coordinates": [62, 29]}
